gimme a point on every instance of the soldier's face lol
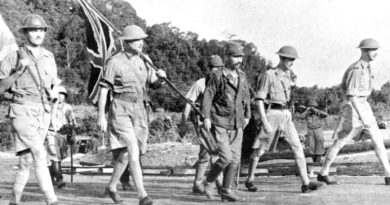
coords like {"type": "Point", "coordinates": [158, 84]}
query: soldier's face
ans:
{"type": "Point", "coordinates": [137, 45]}
{"type": "Point", "coordinates": [61, 98]}
{"type": "Point", "coordinates": [35, 36]}
{"type": "Point", "coordinates": [371, 54]}
{"type": "Point", "coordinates": [288, 62]}
{"type": "Point", "coordinates": [235, 61]}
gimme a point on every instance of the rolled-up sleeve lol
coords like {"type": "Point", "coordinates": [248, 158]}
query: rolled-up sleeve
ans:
{"type": "Point", "coordinates": [350, 82]}
{"type": "Point", "coordinates": [209, 93]}
{"type": "Point", "coordinates": [263, 86]}
{"type": "Point", "coordinates": [109, 75]}
{"type": "Point", "coordinates": [194, 91]}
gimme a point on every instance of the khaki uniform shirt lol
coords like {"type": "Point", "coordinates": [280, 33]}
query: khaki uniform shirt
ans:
{"type": "Point", "coordinates": [357, 80]}
{"type": "Point", "coordinates": [274, 86]}
{"type": "Point", "coordinates": [43, 68]}
{"type": "Point", "coordinates": [126, 73]}
{"type": "Point", "coordinates": [63, 116]}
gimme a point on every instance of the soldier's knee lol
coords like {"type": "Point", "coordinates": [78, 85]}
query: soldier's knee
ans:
{"type": "Point", "coordinates": [257, 153]}
{"type": "Point", "coordinates": [26, 161]}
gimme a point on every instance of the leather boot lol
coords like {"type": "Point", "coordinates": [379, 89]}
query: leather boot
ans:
{"type": "Point", "coordinates": [201, 169]}
{"type": "Point", "coordinates": [56, 168]}
{"type": "Point", "coordinates": [211, 178]}
{"type": "Point", "coordinates": [227, 194]}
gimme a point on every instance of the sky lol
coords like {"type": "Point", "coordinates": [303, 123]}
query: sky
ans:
{"type": "Point", "coordinates": [325, 32]}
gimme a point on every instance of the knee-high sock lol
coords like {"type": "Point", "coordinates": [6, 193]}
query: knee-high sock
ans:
{"type": "Point", "coordinates": [21, 177]}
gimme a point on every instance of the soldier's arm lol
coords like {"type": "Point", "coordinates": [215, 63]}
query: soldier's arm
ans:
{"type": "Point", "coordinates": [11, 70]}
{"type": "Point", "coordinates": [320, 113]}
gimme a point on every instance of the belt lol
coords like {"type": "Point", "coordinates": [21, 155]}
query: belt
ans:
{"type": "Point", "coordinates": [128, 97]}
{"type": "Point", "coordinates": [275, 106]}
{"type": "Point", "coordinates": [29, 98]}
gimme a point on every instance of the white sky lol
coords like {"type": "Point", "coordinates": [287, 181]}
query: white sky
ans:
{"type": "Point", "coordinates": [325, 32]}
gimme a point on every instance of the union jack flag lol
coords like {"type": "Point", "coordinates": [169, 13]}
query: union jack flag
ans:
{"type": "Point", "coordinates": [7, 40]}
{"type": "Point", "coordinates": [100, 46]}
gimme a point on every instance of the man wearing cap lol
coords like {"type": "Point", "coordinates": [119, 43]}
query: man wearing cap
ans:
{"type": "Point", "coordinates": [31, 78]}
{"type": "Point", "coordinates": [57, 141]}
{"type": "Point", "coordinates": [315, 138]}
{"type": "Point", "coordinates": [195, 94]}
{"type": "Point", "coordinates": [226, 107]}
{"type": "Point", "coordinates": [356, 114]}
{"type": "Point", "coordinates": [272, 96]}
{"type": "Point", "coordinates": [128, 77]}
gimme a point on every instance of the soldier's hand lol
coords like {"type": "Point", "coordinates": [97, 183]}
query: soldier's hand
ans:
{"type": "Point", "coordinates": [23, 63]}
{"type": "Point", "coordinates": [161, 74]}
{"type": "Point", "coordinates": [267, 127]}
{"type": "Point", "coordinates": [207, 123]}
{"type": "Point", "coordinates": [102, 124]}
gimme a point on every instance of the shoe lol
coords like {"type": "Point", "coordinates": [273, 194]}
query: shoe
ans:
{"type": "Point", "coordinates": [250, 186]}
{"type": "Point", "coordinates": [228, 195]}
{"type": "Point", "coordinates": [146, 201]}
{"type": "Point", "coordinates": [54, 203]}
{"type": "Point", "coordinates": [60, 183]}
{"type": "Point", "coordinates": [325, 179]}
{"type": "Point", "coordinates": [127, 187]}
{"type": "Point", "coordinates": [12, 204]}
{"type": "Point", "coordinates": [198, 188]}
{"type": "Point", "coordinates": [387, 180]}
{"type": "Point", "coordinates": [113, 195]}
{"type": "Point", "coordinates": [311, 187]}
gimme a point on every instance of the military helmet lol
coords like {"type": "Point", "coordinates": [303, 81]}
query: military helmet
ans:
{"type": "Point", "coordinates": [62, 90]}
{"type": "Point", "coordinates": [234, 49]}
{"type": "Point", "coordinates": [132, 32]}
{"type": "Point", "coordinates": [216, 61]}
{"type": "Point", "coordinates": [34, 21]}
{"type": "Point", "coordinates": [312, 103]}
{"type": "Point", "coordinates": [369, 43]}
{"type": "Point", "coordinates": [288, 52]}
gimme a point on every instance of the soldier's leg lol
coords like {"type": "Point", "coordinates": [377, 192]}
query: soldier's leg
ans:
{"type": "Point", "coordinates": [380, 149]}
{"type": "Point", "coordinates": [343, 136]}
{"type": "Point", "coordinates": [230, 173]}
{"type": "Point", "coordinates": [254, 161]}
{"type": "Point", "coordinates": [120, 163]}
{"type": "Point", "coordinates": [135, 166]}
{"type": "Point", "coordinates": [21, 176]}
{"type": "Point", "coordinates": [201, 168]}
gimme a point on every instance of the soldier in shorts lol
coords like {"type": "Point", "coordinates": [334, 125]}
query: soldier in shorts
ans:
{"type": "Point", "coordinates": [274, 87]}
{"type": "Point", "coordinates": [33, 81]}
{"type": "Point", "coordinates": [128, 77]}
{"type": "Point", "coordinates": [356, 114]}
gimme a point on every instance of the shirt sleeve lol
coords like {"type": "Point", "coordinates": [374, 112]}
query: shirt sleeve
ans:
{"type": "Point", "coordinates": [109, 75]}
{"type": "Point", "coordinates": [350, 82]}
{"type": "Point", "coordinates": [7, 65]}
{"type": "Point", "coordinates": [263, 86]}
{"type": "Point", "coordinates": [209, 93]}
{"type": "Point", "coordinates": [194, 92]}
{"type": "Point", "coordinates": [55, 80]}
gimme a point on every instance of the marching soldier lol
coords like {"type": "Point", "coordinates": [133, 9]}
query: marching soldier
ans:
{"type": "Point", "coordinates": [32, 80]}
{"type": "Point", "coordinates": [356, 114]}
{"type": "Point", "coordinates": [57, 137]}
{"type": "Point", "coordinates": [226, 107]}
{"type": "Point", "coordinates": [128, 77]}
{"type": "Point", "coordinates": [195, 94]}
{"type": "Point", "coordinates": [272, 96]}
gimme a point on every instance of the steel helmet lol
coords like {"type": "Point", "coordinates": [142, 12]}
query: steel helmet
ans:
{"type": "Point", "coordinates": [288, 52]}
{"type": "Point", "coordinates": [216, 61]}
{"type": "Point", "coordinates": [312, 103]}
{"type": "Point", "coordinates": [132, 32]}
{"type": "Point", "coordinates": [369, 43]}
{"type": "Point", "coordinates": [33, 21]}
{"type": "Point", "coordinates": [62, 90]}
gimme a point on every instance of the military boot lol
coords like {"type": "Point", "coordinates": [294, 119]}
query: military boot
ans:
{"type": "Point", "coordinates": [227, 193]}
{"type": "Point", "coordinates": [201, 169]}
{"type": "Point", "coordinates": [56, 169]}
{"type": "Point", "coordinates": [211, 178]}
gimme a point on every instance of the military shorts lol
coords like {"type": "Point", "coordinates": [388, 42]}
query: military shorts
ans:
{"type": "Point", "coordinates": [350, 123]}
{"type": "Point", "coordinates": [126, 121]}
{"type": "Point", "coordinates": [56, 146]}
{"type": "Point", "coordinates": [279, 120]}
{"type": "Point", "coordinates": [30, 123]}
